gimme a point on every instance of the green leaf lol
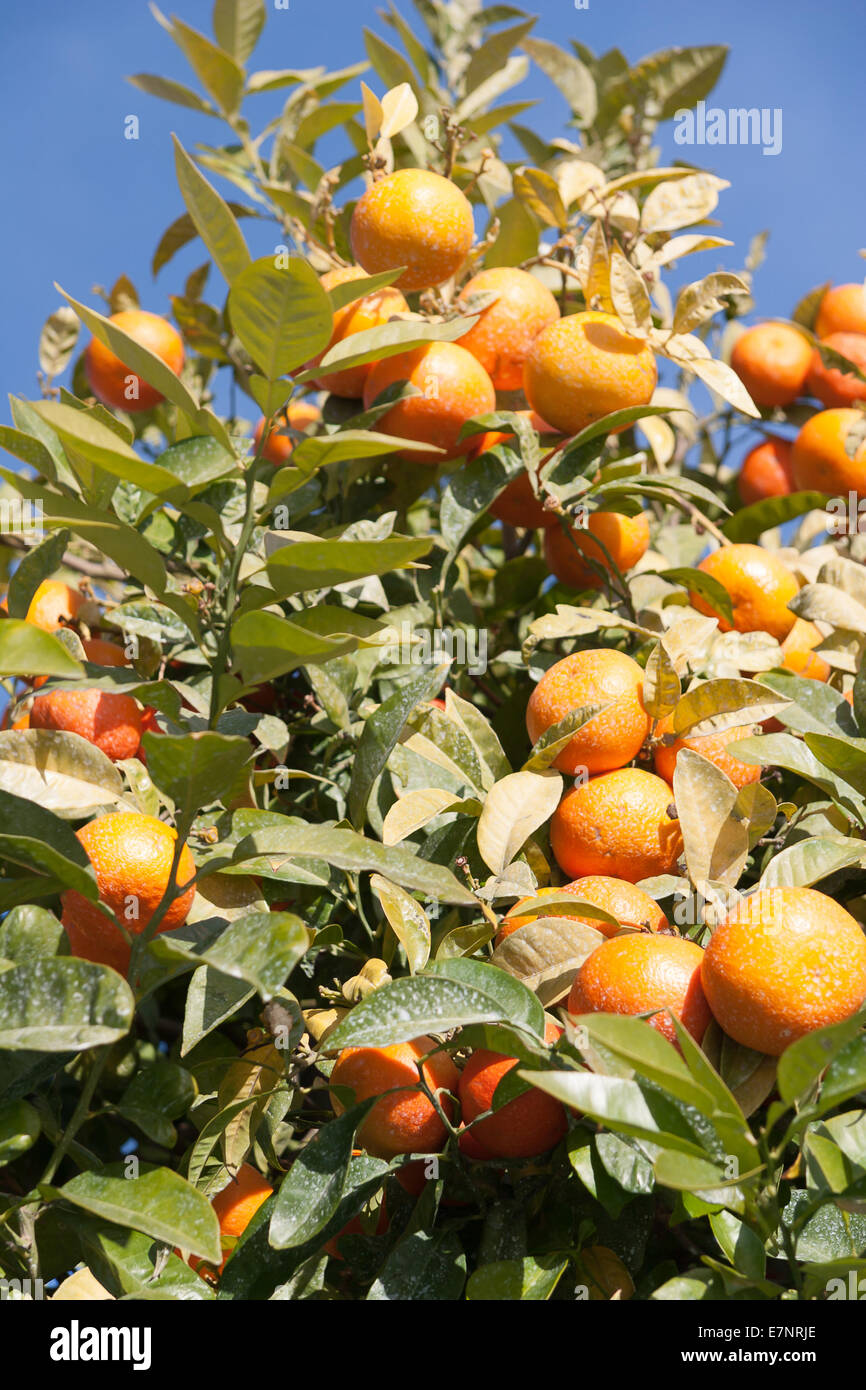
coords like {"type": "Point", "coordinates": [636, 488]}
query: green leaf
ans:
{"type": "Point", "coordinates": [237, 26]}
{"type": "Point", "coordinates": [19, 1129]}
{"type": "Point", "coordinates": [195, 770]}
{"type": "Point", "coordinates": [708, 588]}
{"type": "Point", "coordinates": [36, 839]}
{"type": "Point", "coordinates": [423, 1265]}
{"type": "Point", "coordinates": [217, 71]}
{"type": "Point", "coordinates": [410, 1007]}
{"type": "Point", "coordinates": [158, 1202]}
{"type": "Point", "coordinates": [519, 1005]}
{"type": "Point", "coordinates": [801, 1064]}
{"type": "Point", "coordinates": [265, 645]}
{"type": "Point", "coordinates": [311, 1192]}
{"type": "Point", "coordinates": [491, 56]}
{"type": "Point", "coordinates": [61, 1004]}
{"type": "Point", "coordinates": [211, 217]}
{"type": "Point", "coordinates": [37, 564]}
{"type": "Point", "coordinates": [317, 564]}
{"type": "Point", "coordinates": [184, 230]}
{"type": "Point", "coordinates": [125, 1263]}
{"type": "Point", "coordinates": [739, 1244]}
{"type": "Point", "coordinates": [570, 75]}
{"type": "Point", "coordinates": [843, 757]}
{"type": "Point", "coordinates": [406, 918]}
{"type": "Point", "coordinates": [26, 650]}
{"type": "Point", "coordinates": [261, 948]}
{"type": "Point", "coordinates": [382, 730]}
{"type": "Point", "coordinates": [749, 523]}
{"type": "Point", "coordinates": [84, 435]}
{"type": "Point", "coordinates": [281, 314]}
{"type": "Point", "coordinates": [388, 340]}
{"type": "Point", "coordinates": [28, 933]}
{"type": "Point", "coordinates": [156, 1096]}
{"type": "Point", "coordinates": [168, 90]}
{"type": "Point", "coordinates": [540, 192]}
{"type": "Point", "coordinates": [530, 1280]}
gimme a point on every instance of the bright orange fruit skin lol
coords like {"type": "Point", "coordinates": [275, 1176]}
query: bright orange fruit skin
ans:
{"type": "Point", "coordinates": [53, 605]}
{"type": "Point", "coordinates": [505, 332]}
{"type": "Point", "coordinates": [630, 905]}
{"type": "Point", "coordinates": [842, 310]}
{"type": "Point", "coordinates": [109, 720]}
{"type": "Point", "coordinates": [131, 855]}
{"type": "Point", "coordinates": [237, 1203]}
{"type": "Point", "coordinates": [797, 650]}
{"type": "Point", "coordinates": [278, 446]}
{"type": "Point", "coordinates": [635, 973]}
{"type": "Point", "coordinates": [613, 737]}
{"type": "Point", "coordinates": [713, 746]}
{"type": "Point", "coordinates": [112, 382]}
{"type": "Point", "coordinates": [784, 962]}
{"type": "Point", "coordinates": [766, 472]}
{"type": "Point", "coordinates": [413, 218]}
{"type": "Point", "coordinates": [625, 539]}
{"type": "Point", "coordinates": [454, 387]}
{"type": "Point", "coordinates": [832, 386]}
{"type": "Point", "coordinates": [524, 1127]}
{"type": "Point", "coordinates": [584, 367]}
{"type": "Point", "coordinates": [820, 458]}
{"type": "Point", "coordinates": [772, 361]}
{"type": "Point", "coordinates": [358, 316]}
{"type": "Point", "coordinates": [760, 587]}
{"type": "Point", "coordinates": [405, 1121]}
{"type": "Point", "coordinates": [617, 825]}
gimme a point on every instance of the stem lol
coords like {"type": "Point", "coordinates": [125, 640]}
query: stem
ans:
{"type": "Point", "coordinates": [79, 1114]}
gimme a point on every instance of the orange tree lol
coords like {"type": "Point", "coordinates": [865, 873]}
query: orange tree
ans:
{"type": "Point", "coordinates": [324, 967]}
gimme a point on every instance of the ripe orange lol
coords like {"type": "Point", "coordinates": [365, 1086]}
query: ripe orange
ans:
{"type": "Point", "coordinates": [772, 361]}
{"type": "Point", "coordinates": [784, 962]}
{"type": "Point", "coordinates": [760, 587]}
{"type": "Point", "coordinates": [636, 973]}
{"type": "Point", "coordinates": [624, 538]}
{"type": "Point", "coordinates": [798, 653]}
{"type": "Point", "coordinates": [832, 386]}
{"type": "Point", "coordinates": [112, 382]}
{"type": "Point", "coordinates": [356, 1227]}
{"type": "Point", "coordinates": [103, 653]}
{"type": "Point", "coordinates": [413, 218]}
{"type": "Point", "coordinates": [454, 388]}
{"type": "Point", "coordinates": [404, 1121]}
{"type": "Point", "coordinates": [530, 1124]}
{"type": "Point", "coordinates": [236, 1204]}
{"type": "Point", "coordinates": [766, 472]}
{"type": "Point", "coordinates": [821, 458]}
{"type": "Point", "coordinates": [357, 317]}
{"type": "Point", "coordinates": [713, 746]}
{"type": "Point", "coordinates": [584, 367]}
{"type": "Point", "coordinates": [630, 905]}
{"type": "Point", "coordinates": [505, 331]}
{"type": "Point", "coordinates": [618, 824]}
{"type": "Point", "coordinates": [842, 310]}
{"type": "Point", "coordinates": [110, 721]}
{"type": "Point", "coordinates": [613, 737]}
{"type": "Point", "coordinates": [54, 605]}
{"type": "Point", "coordinates": [131, 855]}
{"type": "Point", "coordinates": [298, 415]}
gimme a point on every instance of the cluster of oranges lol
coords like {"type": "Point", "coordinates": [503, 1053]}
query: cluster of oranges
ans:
{"type": "Point", "coordinates": [777, 364]}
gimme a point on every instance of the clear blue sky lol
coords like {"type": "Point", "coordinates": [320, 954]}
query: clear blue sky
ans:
{"type": "Point", "coordinates": [82, 204]}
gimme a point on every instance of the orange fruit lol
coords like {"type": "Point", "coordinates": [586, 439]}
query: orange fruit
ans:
{"type": "Point", "coordinates": [530, 1124]}
{"type": "Point", "coordinates": [356, 317]}
{"type": "Point", "coordinates": [760, 587]}
{"type": "Point", "coordinates": [298, 415]}
{"type": "Point", "coordinates": [713, 746]}
{"type": "Point", "coordinates": [236, 1204]}
{"type": "Point", "coordinates": [54, 605]}
{"type": "Point", "coordinates": [766, 472]}
{"type": "Point", "coordinates": [453, 388]}
{"type": "Point", "coordinates": [112, 382]}
{"type": "Point", "coordinates": [630, 905]}
{"type": "Point", "coordinates": [772, 361]}
{"type": "Point", "coordinates": [356, 1227]}
{"type": "Point", "coordinates": [611, 738]}
{"type": "Point", "coordinates": [109, 720]}
{"type": "Point", "coordinates": [517, 503]}
{"type": "Point", "coordinates": [832, 386]}
{"type": "Point", "coordinates": [624, 538]}
{"type": "Point", "coordinates": [637, 973]}
{"type": "Point", "coordinates": [584, 367]}
{"type": "Point", "coordinates": [842, 310]}
{"type": "Point", "coordinates": [413, 218]}
{"type": "Point", "coordinates": [404, 1121]}
{"type": "Point", "coordinates": [131, 855]}
{"type": "Point", "coordinates": [798, 653]}
{"type": "Point", "coordinates": [505, 331]}
{"type": "Point", "coordinates": [784, 962]}
{"type": "Point", "coordinates": [103, 653]}
{"type": "Point", "coordinates": [618, 824]}
{"type": "Point", "coordinates": [821, 457]}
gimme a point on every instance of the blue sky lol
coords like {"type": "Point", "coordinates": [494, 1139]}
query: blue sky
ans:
{"type": "Point", "coordinates": [84, 205]}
